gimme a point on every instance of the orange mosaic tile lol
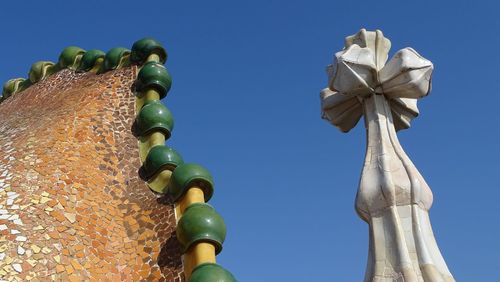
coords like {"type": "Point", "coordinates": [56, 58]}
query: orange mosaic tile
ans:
{"type": "Point", "coordinates": [72, 205]}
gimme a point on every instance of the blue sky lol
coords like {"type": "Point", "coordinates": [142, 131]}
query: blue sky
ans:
{"type": "Point", "coordinates": [245, 97]}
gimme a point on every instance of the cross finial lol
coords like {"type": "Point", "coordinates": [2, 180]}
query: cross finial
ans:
{"type": "Point", "coordinates": [360, 70]}
{"type": "Point", "coordinates": [393, 197]}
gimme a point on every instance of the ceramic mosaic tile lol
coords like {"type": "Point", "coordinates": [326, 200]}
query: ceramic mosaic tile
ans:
{"type": "Point", "coordinates": [72, 205]}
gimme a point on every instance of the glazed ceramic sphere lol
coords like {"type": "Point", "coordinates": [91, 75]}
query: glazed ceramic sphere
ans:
{"type": "Point", "coordinates": [154, 116]}
{"type": "Point", "coordinates": [145, 47]}
{"type": "Point", "coordinates": [188, 175]}
{"type": "Point", "coordinates": [211, 272]}
{"type": "Point", "coordinates": [161, 157]}
{"type": "Point", "coordinates": [154, 75]}
{"type": "Point", "coordinates": [41, 70]}
{"type": "Point", "coordinates": [69, 57]}
{"type": "Point", "coordinates": [90, 58]}
{"type": "Point", "coordinates": [201, 223]}
{"type": "Point", "coordinates": [114, 58]}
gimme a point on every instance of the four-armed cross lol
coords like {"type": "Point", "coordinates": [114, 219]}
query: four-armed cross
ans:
{"type": "Point", "coordinates": [393, 198]}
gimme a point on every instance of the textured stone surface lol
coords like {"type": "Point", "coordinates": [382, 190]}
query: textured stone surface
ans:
{"type": "Point", "coordinates": [72, 206]}
{"type": "Point", "coordinates": [393, 197]}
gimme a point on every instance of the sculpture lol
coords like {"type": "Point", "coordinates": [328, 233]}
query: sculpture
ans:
{"type": "Point", "coordinates": [393, 197]}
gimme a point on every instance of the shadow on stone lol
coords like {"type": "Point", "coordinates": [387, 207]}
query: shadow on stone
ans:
{"type": "Point", "coordinates": [170, 253]}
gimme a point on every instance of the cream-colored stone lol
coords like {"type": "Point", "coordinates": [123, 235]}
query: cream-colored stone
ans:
{"type": "Point", "coordinates": [57, 259]}
{"type": "Point", "coordinates": [8, 260]}
{"type": "Point", "coordinates": [35, 248]}
{"type": "Point", "coordinates": [32, 262]}
{"type": "Point", "coordinates": [70, 216]}
{"type": "Point", "coordinates": [393, 197]}
{"type": "Point", "coordinates": [44, 200]}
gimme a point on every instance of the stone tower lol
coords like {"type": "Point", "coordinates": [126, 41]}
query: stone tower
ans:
{"type": "Point", "coordinates": [393, 197]}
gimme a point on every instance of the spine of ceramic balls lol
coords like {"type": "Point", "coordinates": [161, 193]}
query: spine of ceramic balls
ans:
{"type": "Point", "coordinates": [200, 230]}
{"type": "Point", "coordinates": [154, 122]}
{"type": "Point", "coordinates": [74, 58]}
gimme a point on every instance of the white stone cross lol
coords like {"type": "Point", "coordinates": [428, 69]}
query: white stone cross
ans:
{"type": "Point", "coordinates": [393, 197]}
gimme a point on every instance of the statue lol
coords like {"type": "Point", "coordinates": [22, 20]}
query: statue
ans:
{"type": "Point", "coordinates": [393, 197]}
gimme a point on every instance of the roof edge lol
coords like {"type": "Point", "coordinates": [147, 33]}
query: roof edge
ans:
{"type": "Point", "coordinates": [94, 60]}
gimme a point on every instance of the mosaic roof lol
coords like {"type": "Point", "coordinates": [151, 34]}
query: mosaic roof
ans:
{"type": "Point", "coordinates": [83, 194]}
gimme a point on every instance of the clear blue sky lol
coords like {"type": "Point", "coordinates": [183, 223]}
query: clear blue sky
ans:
{"type": "Point", "coordinates": [245, 97]}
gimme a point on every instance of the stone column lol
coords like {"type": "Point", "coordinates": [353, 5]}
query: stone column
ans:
{"type": "Point", "coordinates": [393, 197]}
